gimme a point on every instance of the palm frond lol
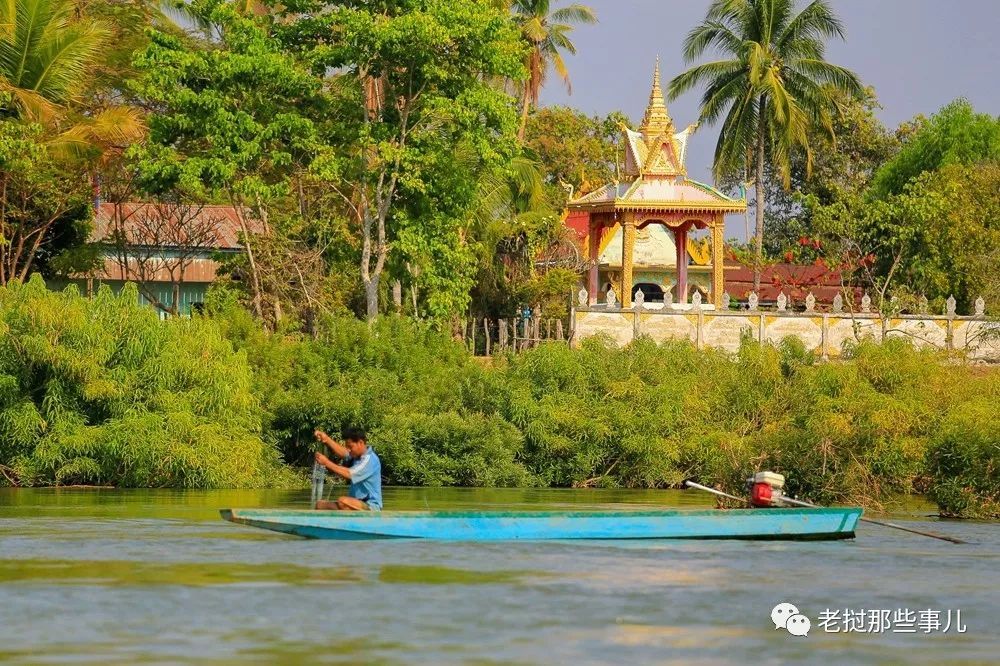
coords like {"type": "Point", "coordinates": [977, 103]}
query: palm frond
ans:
{"type": "Point", "coordinates": [30, 105]}
{"type": "Point", "coordinates": [560, 66]}
{"type": "Point", "coordinates": [46, 50]}
{"type": "Point", "coordinates": [110, 131]}
{"type": "Point", "coordinates": [736, 136]}
{"type": "Point", "coordinates": [712, 34]}
{"type": "Point", "coordinates": [816, 21]}
{"type": "Point", "coordinates": [699, 74]}
{"type": "Point", "coordinates": [721, 93]}
{"type": "Point", "coordinates": [776, 18]}
{"type": "Point", "coordinates": [574, 14]}
{"type": "Point", "coordinates": [822, 71]}
{"type": "Point", "coordinates": [63, 60]}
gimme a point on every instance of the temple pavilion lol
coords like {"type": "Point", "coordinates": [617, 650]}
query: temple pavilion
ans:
{"type": "Point", "coordinates": [635, 232]}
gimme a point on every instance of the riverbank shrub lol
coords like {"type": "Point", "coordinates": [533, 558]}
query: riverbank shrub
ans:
{"type": "Point", "coordinates": [100, 391]}
{"type": "Point", "coordinates": [964, 459]}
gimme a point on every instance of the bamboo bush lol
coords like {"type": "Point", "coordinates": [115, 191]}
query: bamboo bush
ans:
{"type": "Point", "coordinates": [102, 391]}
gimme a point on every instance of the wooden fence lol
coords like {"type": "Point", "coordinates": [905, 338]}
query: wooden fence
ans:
{"type": "Point", "coordinates": [485, 337]}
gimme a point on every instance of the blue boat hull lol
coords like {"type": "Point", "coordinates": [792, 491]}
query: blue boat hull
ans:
{"type": "Point", "coordinates": [785, 523]}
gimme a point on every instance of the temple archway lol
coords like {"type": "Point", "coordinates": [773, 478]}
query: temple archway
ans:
{"type": "Point", "coordinates": [651, 293]}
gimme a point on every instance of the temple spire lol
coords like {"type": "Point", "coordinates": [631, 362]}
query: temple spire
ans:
{"type": "Point", "coordinates": [656, 121]}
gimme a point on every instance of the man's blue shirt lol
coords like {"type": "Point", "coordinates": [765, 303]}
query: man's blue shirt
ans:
{"type": "Point", "coordinates": [366, 478]}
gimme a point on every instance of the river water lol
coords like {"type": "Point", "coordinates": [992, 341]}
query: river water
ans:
{"type": "Point", "coordinates": [116, 576]}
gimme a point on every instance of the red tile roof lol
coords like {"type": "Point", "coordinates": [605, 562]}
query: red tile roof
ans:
{"type": "Point", "coordinates": [796, 281]}
{"type": "Point", "coordinates": [225, 219]}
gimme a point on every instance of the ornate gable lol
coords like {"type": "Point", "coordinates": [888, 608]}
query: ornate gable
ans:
{"type": "Point", "coordinates": [663, 159]}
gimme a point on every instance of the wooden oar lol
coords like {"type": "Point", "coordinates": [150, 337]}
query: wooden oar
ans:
{"type": "Point", "coordinates": [795, 502]}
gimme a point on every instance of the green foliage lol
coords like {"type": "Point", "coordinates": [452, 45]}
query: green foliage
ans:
{"type": "Point", "coordinates": [45, 50]}
{"type": "Point", "coordinates": [230, 115]}
{"type": "Point", "coordinates": [413, 126]}
{"type": "Point", "coordinates": [937, 234]}
{"type": "Point", "coordinates": [44, 206]}
{"type": "Point", "coordinates": [102, 392]}
{"type": "Point", "coordinates": [964, 459]}
{"type": "Point", "coordinates": [843, 165]}
{"type": "Point", "coordinates": [576, 150]}
{"type": "Point", "coordinates": [954, 135]}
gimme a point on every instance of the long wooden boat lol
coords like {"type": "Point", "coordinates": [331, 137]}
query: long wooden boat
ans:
{"type": "Point", "coordinates": [783, 523]}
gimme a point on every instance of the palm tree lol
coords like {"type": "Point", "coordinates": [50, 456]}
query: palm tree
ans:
{"type": "Point", "coordinates": [547, 34]}
{"type": "Point", "coordinates": [773, 86]}
{"type": "Point", "coordinates": [46, 53]}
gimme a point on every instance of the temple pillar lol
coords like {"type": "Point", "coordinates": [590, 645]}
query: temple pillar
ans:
{"type": "Point", "coordinates": [594, 255]}
{"type": "Point", "coordinates": [718, 262]}
{"type": "Point", "coordinates": [680, 239]}
{"type": "Point", "coordinates": [628, 248]}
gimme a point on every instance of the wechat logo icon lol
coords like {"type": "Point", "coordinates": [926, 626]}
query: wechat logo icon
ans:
{"type": "Point", "coordinates": [786, 616]}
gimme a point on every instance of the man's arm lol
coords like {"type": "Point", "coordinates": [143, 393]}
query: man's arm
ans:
{"type": "Point", "coordinates": [338, 450]}
{"type": "Point", "coordinates": [339, 470]}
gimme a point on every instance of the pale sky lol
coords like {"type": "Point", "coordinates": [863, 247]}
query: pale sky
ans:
{"type": "Point", "coordinates": [918, 54]}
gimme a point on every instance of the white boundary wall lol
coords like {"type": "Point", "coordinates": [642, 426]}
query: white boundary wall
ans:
{"type": "Point", "coordinates": [823, 333]}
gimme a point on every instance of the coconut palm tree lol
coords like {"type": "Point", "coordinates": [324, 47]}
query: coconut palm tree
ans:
{"type": "Point", "coordinates": [547, 34]}
{"type": "Point", "coordinates": [772, 86]}
{"type": "Point", "coordinates": [46, 53]}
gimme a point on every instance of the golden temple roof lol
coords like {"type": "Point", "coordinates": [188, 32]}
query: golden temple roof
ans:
{"type": "Point", "coordinates": [655, 170]}
{"type": "Point", "coordinates": [657, 120]}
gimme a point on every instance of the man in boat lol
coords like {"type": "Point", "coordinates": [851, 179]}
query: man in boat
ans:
{"type": "Point", "coordinates": [361, 467]}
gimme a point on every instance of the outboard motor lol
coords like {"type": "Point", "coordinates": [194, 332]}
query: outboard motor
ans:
{"type": "Point", "coordinates": [766, 489]}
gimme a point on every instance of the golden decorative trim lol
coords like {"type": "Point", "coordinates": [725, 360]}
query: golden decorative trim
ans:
{"type": "Point", "coordinates": [733, 206]}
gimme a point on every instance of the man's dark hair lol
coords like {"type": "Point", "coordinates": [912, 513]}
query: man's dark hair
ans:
{"type": "Point", "coordinates": [355, 435]}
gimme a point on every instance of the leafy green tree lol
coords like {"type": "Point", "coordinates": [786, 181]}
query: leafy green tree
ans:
{"type": "Point", "coordinates": [576, 151]}
{"type": "Point", "coordinates": [234, 120]}
{"type": "Point", "coordinates": [44, 201]}
{"type": "Point", "coordinates": [936, 236]}
{"type": "Point", "coordinates": [412, 108]}
{"type": "Point", "coordinates": [954, 135]}
{"type": "Point", "coordinates": [547, 34]}
{"type": "Point", "coordinates": [772, 86]}
{"type": "Point", "coordinates": [50, 141]}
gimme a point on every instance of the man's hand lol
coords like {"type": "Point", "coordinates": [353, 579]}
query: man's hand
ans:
{"type": "Point", "coordinates": [339, 470]}
{"type": "Point", "coordinates": [338, 450]}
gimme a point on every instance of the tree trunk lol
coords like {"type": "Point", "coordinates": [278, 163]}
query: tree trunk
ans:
{"type": "Point", "coordinates": [371, 297]}
{"type": "Point", "coordinates": [397, 296]}
{"type": "Point", "coordinates": [525, 108]}
{"type": "Point", "coordinates": [255, 281]}
{"type": "Point", "coordinates": [759, 203]}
